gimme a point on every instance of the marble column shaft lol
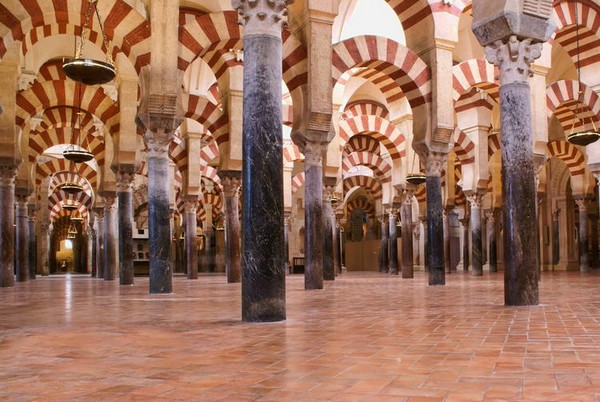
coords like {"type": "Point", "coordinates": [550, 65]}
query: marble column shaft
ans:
{"type": "Point", "coordinates": [337, 260]}
{"type": "Point", "coordinates": [231, 182]}
{"type": "Point", "coordinates": [7, 225]}
{"type": "Point", "coordinates": [407, 237]}
{"type": "Point", "coordinates": [393, 240]}
{"type": "Point", "coordinates": [447, 211]}
{"type": "Point", "coordinates": [328, 266]}
{"type": "Point", "coordinates": [384, 247]}
{"type": "Point", "coordinates": [313, 216]}
{"type": "Point", "coordinates": [476, 240]}
{"type": "Point", "coordinates": [492, 240]}
{"type": "Point", "coordinates": [99, 212]}
{"type": "Point", "coordinates": [32, 241]}
{"type": "Point", "coordinates": [435, 218]}
{"type": "Point", "coordinates": [191, 242]}
{"type": "Point", "coordinates": [555, 237]}
{"type": "Point", "coordinates": [125, 196]}
{"type": "Point", "coordinates": [513, 57]}
{"type": "Point", "coordinates": [22, 239]}
{"type": "Point", "coordinates": [466, 248]}
{"type": "Point", "coordinates": [584, 258]}
{"type": "Point", "coordinates": [44, 249]}
{"type": "Point", "coordinates": [111, 237]}
{"type": "Point", "coordinates": [263, 266]}
{"type": "Point", "coordinates": [286, 238]}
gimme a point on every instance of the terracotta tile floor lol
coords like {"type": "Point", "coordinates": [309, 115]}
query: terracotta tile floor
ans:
{"type": "Point", "coordinates": [366, 337]}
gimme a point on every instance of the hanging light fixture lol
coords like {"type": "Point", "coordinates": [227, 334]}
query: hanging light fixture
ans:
{"type": "Point", "coordinates": [90, 71]}
{"type": "Point", "coordinates": [71, 187]}
{"type": "Point", "coordinates": [583, 137]}
{"type": "Point", "coordinates": [76, 152]}
{"type": "Point", "coordinates": [69, 207]}
{"type": "Point", "coordinates": [415, 178]}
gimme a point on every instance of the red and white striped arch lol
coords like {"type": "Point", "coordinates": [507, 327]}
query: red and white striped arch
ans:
{"type": "Point", "coordinates": [474, 73]}
{"type": "Point", "coordinates": [380, 166]}
{"type": "Point", "coordinates": [58, 197]}
{"type": "Point", "coordinates": [365, 107]}
{"type": "Point", "coordinates": [464, 148]}
{"type": "Point", "coordinates": [363, 204]}
{"type": "Point", "coordinates": [587, 14]}
{"type": "Point", "coordinates": [30, 21]}
{"type": "Point", "coordinates": [380, 129]}
{"type": "Point", "coordinates": [362, 143]}
{"type": "Point", "coordinates": [60, 178]}
{"type": "Point", "coordinates": [208, 114]}
{"type": "Point", "coordinates": [291, 154]}
{"type": "Point", "coordinates": [372, 185]}
{"type": "Point", "coordinates": [421, 194]}
{"type": "Point", "coordinates": [389, 88]}
{"type": "Point", "coordinates": [494, 143]}
{"type": "Point", "coordinates": [54, 166]}
{"type": "Point", "coordinates": [569, 154]}
{"type": "Point", "coordinates": [564, 100]}
{"type": "Point", "coordinates": [416, 17]}
{"type": "Point", "coordinates": [298, 182]}
{"type": "Point", "coordinates": [209, 153]}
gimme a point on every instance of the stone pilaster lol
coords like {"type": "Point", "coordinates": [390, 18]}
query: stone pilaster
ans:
{"type": "Point", "coordinates": [125, 176]}
{"type": "Point", "coordinates": [476, 240]}
{"type": "Point", "coordinates": [263, 271]}
{"type": "Point", "coordinates": [434, 163]}
{"type": "Point", "coordinates": [111, 236]}
{"type": "Point", "coordinates": [584, 260]}
{"type": "Point", "coordinates": [22, 236]}
{"type": "Point", "coordinates": [31, 210]}
{"type": "Point", "coordinates": [491, 229]}
{"type": "Point", "coordinates": [384, 261]}
{"type": "Point", "coordinates": [407, 234]}
{"type": "Point", "coordinates": [191, 243]}
{"type": "Point", "coordinates": [393, 240]}
{"type": "Point", "coordinates": [231, 182]}
{"type": "Point", "coordinates": [159, 227]}
{"type": "Point", "coordinates": [328, 267]}
{"type": "Point", "coordinates": [313, 214]}
{"type": "Point", "coordinates": [8, 174]}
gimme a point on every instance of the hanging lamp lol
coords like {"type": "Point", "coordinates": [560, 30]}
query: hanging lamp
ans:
{"type": "Point", "coordinates": [76, 152]}
{"type": "Point", "coordinates": [69, 207]}
{"type": "Point", "coordinates": [416, 178]}
{"type": "Point", "coordinates": [71, 187]}
{"type": "Point", "coordinates": [90, 71]}
{"type": "Point", "coordinates": [583, 137]}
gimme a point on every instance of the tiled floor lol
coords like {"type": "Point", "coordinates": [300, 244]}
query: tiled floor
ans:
{"type": "Point", "coordinates": [366, 337]}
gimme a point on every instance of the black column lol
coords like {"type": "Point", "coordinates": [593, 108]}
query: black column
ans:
{"type": "Point", "coordinates": [407, 236]}
{"type": "Point", "coordinates": [328, 266]}
{"type": "Point", "coordinates": [383, 248]}
{"type": "Point", "coordinates": [125, 178]}
{"type": "Point", "coordinates": [435, 218]}
{"type": "Point", "coordinates": [32, 241]}
{"type": "Point", "coordinates": [393, 241]}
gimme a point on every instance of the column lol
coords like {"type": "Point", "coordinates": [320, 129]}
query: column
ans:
{"type": "Point", "coordinates": [263, 275]}
{"type": "Point", "coordinates": [99, 218]}
{"type": "Point", "coordinates": [159, 227]}
{"type": "Point", "coordinates": [466, 250]}
{"type": "Point", "coordinates": [393, 240]}
{"type": "Point", "coordinates": [32, 241]}
{"type": "Point", "coordinates": [287, 222]}
{"type": "Point", "coordinates": [231, 182]}
{"type": "Point", "coordinates": [7, 224]}
{"type": "Point", "coordinates": [335, 227]}
{"type": "Point", "coordinates": [407, 235]}
{"type": "Point", "coordinates": [44, 249]}
{"type": "Point", "coordinates": [447, 211]}
{"type": "Point", "coordinates": [328, 268]}
{"type": "Point", "coordinates": [111, 237]}
{"type": "Point", "coordinates": [125, 176]}
{"type": "Point", "coordinates": [22, 236]}
{"type": "Point", "coordinates": [555, 236]}
{"type": "Point", "coordinates": [434, 163]}
{"type": "Point", "coordinates": [476, 246]}
{"type": "Point", "coordinates": [191, 243]}
{"type": "Point", "coordinates": [209, 239]}
{"type": "Point", "coordinates": [491, 230]}
{"type": "Point", "coordinates": [513, 56]}
{"type": "Point", "coordinates": [584, 261]}
{"type": "Point", "coordinates": [91, 251]}
{"type": "Point", "coordinates": [384, 247]}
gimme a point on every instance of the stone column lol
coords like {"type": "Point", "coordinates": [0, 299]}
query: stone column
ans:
{"type": "Point", "coordinates": [407, 235]}
{"type": "Point", "coordinates": [466, 249]}
{"type": "Point", "coordinates": [99, 214]}
{"type": "Point", "coordinates": [111, 237]}
{"type": "Point", "coordinates": [335, 227]}
{"type": "Point", "coordinates": [513, 56]}
{"type": "Point", "coordinates": [383, 249]}
{"type": "Point", "coordinates": [393, 241]}
{"type": "Point", "coordinates": [287, 222]}
{"type": "Point", "coordinates": [447, 211]}
{"type": "Point", "coordinates": [263, 272]}
{"type": "Point", "coordinates": [209, 239]}
{"type": "Point", "coordinates": [44, 249]}
{"type": "Point", "coordinates": [434, 162]}
{"type": "Point", "coordinates": [491, 229]}
{"type": "Point", "coordinates": [328, 268]}
{"type": "Point", "coordinates": [191, 243]}
{"type": "Point", "coordinates": [31, 209]}
{"type": "Point", "coordinates": [8, 174]}
{"type": "Point", "coordinates": [476, 241]}
{"type": "Point", "coordinates": [231, 182]}
{"type": "Point", "coordinates": [159, 227]}
{"type": "Point", "coordinates": [91, 252]}
{"type": "Point", "coordinates": [555, 236]}
{"type": "Point", "coordinates": [22, 236]}
{"type": "Point", "coordinates": [125, 176]}
{"type": "Point", "coordinates": [584, 263]}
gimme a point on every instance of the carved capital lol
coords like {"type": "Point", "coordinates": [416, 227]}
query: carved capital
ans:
{"type": "Point", "coordinates": [382, 219]}
{"type": "Point", "coordinates": [581, 204]}
{"type": "Point", "coordinates": [328, 193]}
{"type": "Point", "coordinates": [392, 212]}
{"type": "Point", "coordinates": [475, 200]}
{"type": "Point", "coordinates": [110, 201]}
{"type": "Point", "coordinates": [125, 175]}
{"type": "Point", "coordinates": [157, 143]}
{"type": "Point", "coordinates": [191, 204]}
{"type": "Point", "coordinates": [262, 17]}
{"type": "Point", "coordinates": [313, 153]}
{"type": "Point", "coordinates": [231, 180]}
{"type": "Point", "coordinates": [434, 162]}
{"type": "Point", "coordinates": [513, 57]}
{"type": "Point", "coordinates": [8, 173]}
{"type": "Point", "coordinates": [490, 216]}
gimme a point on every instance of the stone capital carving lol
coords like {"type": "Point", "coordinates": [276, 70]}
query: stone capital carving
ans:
{"type": "Point", "coordinates": [408, 193]}
{"type": "Point", "coordinates": [191, 204]}
{"type": "Point", "coordinates": [328, 193]}
{"type": "Point", "coordinates": [513, 57]}
{"type": "Point", "coordinates": [313, 153]}
{"type": "Point", "coordinates": [8, 173]}
{"type": "Point", "coordinates": [490, 216]}
{"type": "Point", "coordinates": [581, 204]}
{"type": "Point", "coordinates": [125, 176]}
{"type": "Point", "coordinates": [262, 17]}
{"type": "Point", "coordinates": [475, 200]}
{"type": "Point", "coordinates": [434, 163]}
{"type": "Point", "coordinates": [556, 214]}
{"type": "Point", "coordinates": [157, 143]}
{"type": "Point", "coordinates": [110, 201]}
{"type": "Point", "coordinates": [231, 181]}
{"type": "Point", "coordinates": [392, 212]}
{"type": "Point", "coordinates": [382, 219]}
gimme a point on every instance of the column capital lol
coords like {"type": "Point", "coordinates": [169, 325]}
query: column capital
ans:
{"type": "Point", "coordinates": [231, 181]}
{"type": "Point", "coordinates": [110, 198]}
{"type": "Point", "coordinates": [382, 219]}
{"type": "Point", "coordinates": [392, 212]}
{"type": "Point", "coordinates": [581, 203]}
{"type": "Point", "coordinates": [434, 162]}
{"type": "Point", "coordinates": [191, 204]}
{"type": "Point", "coordinates": [313, 152]}
{"type": "Point", "coordinates": [474, 199]}
{"type": "Point", "coordinates": [157, 143]}
{"type": "Point", "coordinates": [490, 216]}
{"type": "Point", "coordinates": [262, 17]}
{"type": "Point", "coordinates": [513, 57]}
{"type": "Point", "coordinates": [125, 175]}
{"type": "Point", "coordinates": [8, 174]}
{"type": "Point", "coordinates": [22, 195]}
{"type": "Point", "coordinates": [556, 213]}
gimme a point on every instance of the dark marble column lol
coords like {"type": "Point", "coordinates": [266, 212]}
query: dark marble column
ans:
{"type": "Point", "coordinates": [476, 241]}
{"type": "Point", "coordinates": [7, 225]}
{"type": "Point", "coordinates": [328, 268]}
{"type": "Point", "coordinates": [584, 261]}
{"type": "Point", "coordinates": [22, 236]}
{"type": "Point", "coordinates": [287, 222]}
{"type": "Point", "coordinates": [125, 176]}
{"type": "Point", "coordinates": [491, 228]}
{"type": "Point", "coordinates": [44, 249]}
{"type": "Point", "coordinates": [466, 248]}
{"type": "Point", "coordinates": [423, 221]}
{"type": "Point", "coordinates": [434, 163]}
{"type": "Point", "coordinates": [513, 57]}
{"type": "Point", "coordinates": [393, 240]}
{"type": "Point", "coordinates": [384, 261]}
{"type": "Point", "coordinates": [447, 211]}
{"type": "Point", "coordinates": [209, 239]}
{"type": "Point", "coordinates": [32, 241]}
{"type": "Point", "coordinates": [99, 213]}
{"type": "Point", "coordinates": [191, 242]}
{"type": "Point", "coordinates": [337, 244]}
{"type": "Point", "coordinates": [93, 252]}
{"type": "Point", "coordinates": [111, 237]}
{"type": "Point", "coordinates": [555, 237]}
{"type": "Point", "coordinates": [231, 182]}
{"type": "Point", "coordinates": [263, 271]}
{"type": "Point", "coordinates": [407, 235]}
{"type": "Point", "coordinates": [159, 226]}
